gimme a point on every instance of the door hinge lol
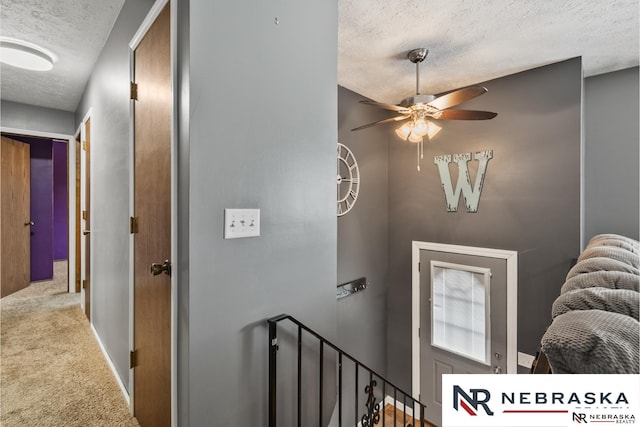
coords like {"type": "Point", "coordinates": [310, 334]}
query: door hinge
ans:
{"type": "Point", "coordinates": [133, 224]}
{"type": "Point", "coordinates": [84, 284]}
{"type": "Point", "coordinates": [84, 145]}
{"type": "Point", "coordinates": [84, 214]}
{"type": "Point", "coordinates": [419, 266]}
{"type": "Point", "coordinates": [133, 359]}
{"type": "Point", "coordinates": [418, 332]}
{"type": "Point", "coordinates": [134, 91]}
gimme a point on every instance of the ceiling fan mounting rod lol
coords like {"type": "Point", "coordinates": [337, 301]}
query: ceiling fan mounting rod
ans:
{"type": "Point", "coordinates": [417, 78]}
{"type": "Point", "coordinates": [417, 56]}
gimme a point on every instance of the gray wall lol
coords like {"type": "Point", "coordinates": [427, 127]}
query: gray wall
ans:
{"type": "Point", "coordinates": [107, 93]}
{"type": "Point", "coordinates": [530, 202]}
{"type": "Point", "coordinates": [363, 235]}
{"type": "Point", "coordinates": [33, 118]}
{"type": "Point", "coordinates": [363, 243]}
{"type": "Point", "coordinates": [263, 131]}
{"type": "Point", "coordinates": [611, 154]}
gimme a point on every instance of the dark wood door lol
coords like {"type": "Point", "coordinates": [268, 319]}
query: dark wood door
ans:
{"type": "Point", "coordinates": [152, 242]}
{"type": "Point", "coordinates": [15, 228]}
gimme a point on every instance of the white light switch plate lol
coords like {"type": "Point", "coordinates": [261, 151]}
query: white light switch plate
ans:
{"type": "Point", "coordinates": [240, 223]}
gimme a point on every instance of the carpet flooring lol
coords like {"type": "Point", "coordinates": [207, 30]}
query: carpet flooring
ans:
{"type": "Point", "coordinates": [52, 371]}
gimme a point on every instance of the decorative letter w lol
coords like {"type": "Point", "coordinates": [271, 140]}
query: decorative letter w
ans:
{"type": "Point", "coordinates": [471, 196]}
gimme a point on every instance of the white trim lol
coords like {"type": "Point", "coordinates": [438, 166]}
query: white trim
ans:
{"type": "Point", "coordinates": [174, 211]}
{"type": "Point", "coordinates": [132, 163]}
{"type": "Point", "coordinates": [71, 193]}
{"type": "Point", "coordinates": [26, 132]}
{"type": "Point", "coordinates": [389, 400]}
{"type": "Point", "coordinates": [111, 365]}
{"type": "Point", "coordinates": [83, 181]}
{"type": "Point", "coordinates": [582, 160]}
{"type": "Point", "coordinates": [135, 41]}
{"type": "Point", "coordinates": [525, 360]}
{"type": "Point", "coordinates": [146, 24]}
{"type": "Point", "coordinates": [511, 258]}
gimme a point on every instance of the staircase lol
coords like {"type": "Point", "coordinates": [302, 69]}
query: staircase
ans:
{"type": "Point", "coordinates": [364, 397]}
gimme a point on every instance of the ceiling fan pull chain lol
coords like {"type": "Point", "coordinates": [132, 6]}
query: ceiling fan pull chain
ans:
{"type": "Point", "coordinates": [418, 156]}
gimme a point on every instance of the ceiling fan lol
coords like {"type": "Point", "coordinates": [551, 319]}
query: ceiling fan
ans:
{"type": "Point", "coordinates": [420, 109]}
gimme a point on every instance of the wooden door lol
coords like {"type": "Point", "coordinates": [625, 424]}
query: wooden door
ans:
{"type": "Point", "coordinates": [86, 216]}
{"type": "Point", "coordinates": [152, 209]}
{"type": "Point", "coordinates": [463, 320]}
{"type": "Point", "coordinates": [78, 265]}
{"type": "Point", "coordinates": [15, 220]}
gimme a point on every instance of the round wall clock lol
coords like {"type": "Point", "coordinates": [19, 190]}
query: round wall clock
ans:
{"type": "Point", "coordinates": [348, 179]}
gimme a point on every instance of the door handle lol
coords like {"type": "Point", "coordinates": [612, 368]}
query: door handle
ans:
{"type": "Point", "coordinates": [157, 269]}
{"type": "Point", "coordinates": [497, 370]}
{"type": "Point", "coordinates": [30, 223]}
{"type": "Point", "coordinates": [85, 232]}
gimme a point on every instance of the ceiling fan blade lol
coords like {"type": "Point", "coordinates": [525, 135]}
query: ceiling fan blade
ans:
{"type": "Point", "coordinates": [466, 115]}
{"type": "Point", "coordinates": [401, 110]}
{"type": "Point", "coordinates": [457, 97]}
{"type": "Point", "coordinates": [380, 122]}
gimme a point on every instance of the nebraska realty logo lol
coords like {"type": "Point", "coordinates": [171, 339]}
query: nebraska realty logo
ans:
{"type": "Point", "coordinates": [539, 400]}
{"type": "Point", "coordinates": [467, 402]}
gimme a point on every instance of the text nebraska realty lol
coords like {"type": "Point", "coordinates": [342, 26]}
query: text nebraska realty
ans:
{"type": "Point", "coordinates": [613, 418]}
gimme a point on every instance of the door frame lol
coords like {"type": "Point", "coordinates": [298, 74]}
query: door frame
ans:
{"type": "Point", "coordinates": [133, 44]}
{"type": "Point", "coordinates": [81, 133]}
{"type": "Point", "coordinates": [71, 192]}
{"type": "Point", "coordinates": [511, 258]}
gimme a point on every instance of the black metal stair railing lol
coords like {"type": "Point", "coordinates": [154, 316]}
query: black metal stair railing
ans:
{"type": "Point", "coordinates": [371, 412]}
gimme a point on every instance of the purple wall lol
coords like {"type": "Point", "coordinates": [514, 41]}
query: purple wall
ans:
{"type": "Point", "coordinates": [41, 210]}
{"type": "Point", "coordinates": [60, 202]}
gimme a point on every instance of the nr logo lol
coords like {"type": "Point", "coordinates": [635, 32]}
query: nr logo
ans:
{"type": "Point", "coordinates": [479, 398]}
{"type": "Point", "coordinates": [579, 418]}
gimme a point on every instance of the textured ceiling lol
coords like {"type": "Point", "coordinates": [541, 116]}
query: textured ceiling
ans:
{"type": "Point", "coordinates": [470, 41]}
{"type": "Point", "coordinates": [75, 31]}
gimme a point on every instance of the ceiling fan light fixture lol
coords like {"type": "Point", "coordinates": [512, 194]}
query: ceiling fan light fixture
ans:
{"type": "Point", "coordinates": [433, 130]}
{"type": "Point", "coordinates": [414, 137]}
{"type": "Point", "coordinates": [404, 131]}
{"type": "Point", "coordinates": [420, 127]}
{"type": "Point", "coordinates": [25, 55]}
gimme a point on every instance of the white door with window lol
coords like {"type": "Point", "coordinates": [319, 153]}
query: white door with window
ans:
{"type": "Point", "coordinates": [464, 316]}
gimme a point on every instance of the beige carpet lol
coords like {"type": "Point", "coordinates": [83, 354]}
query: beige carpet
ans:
{"type": "Point", "coordinates": [52, 371]}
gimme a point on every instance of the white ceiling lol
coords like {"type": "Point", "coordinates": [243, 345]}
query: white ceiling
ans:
{"type": "Point", "coordinates": [470, 41]}
{"type": "Point", "coordinates": [75, 31]}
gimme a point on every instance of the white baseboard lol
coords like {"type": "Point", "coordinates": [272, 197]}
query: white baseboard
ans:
{"type": "Point", "coordinates": [388, 400]}
{"type": "Point", "coordinates": [525, 360]}
{"type": "Point", "coordinates": [112, 366]}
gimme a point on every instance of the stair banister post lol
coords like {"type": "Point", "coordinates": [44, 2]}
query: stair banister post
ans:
{"type": "Point", "coordinates": [273, 353]}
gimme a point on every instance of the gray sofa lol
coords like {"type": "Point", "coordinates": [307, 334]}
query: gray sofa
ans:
{"type": "Point", "coordinates": [596, 328]}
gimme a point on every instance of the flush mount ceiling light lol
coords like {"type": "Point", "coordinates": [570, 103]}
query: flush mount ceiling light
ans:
{"type": "Point", "coordinates": [25, 55]}
{"type": "Point", "coordinates": [420, 110]}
